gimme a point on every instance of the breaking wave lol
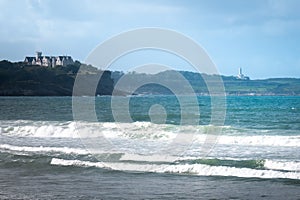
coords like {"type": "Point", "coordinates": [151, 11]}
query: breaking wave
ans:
{"type": "Point", "coordinates": [192, 169]}
{"type": "Point", "coordinates": [145, 131]}
{"type": "Point", "coordinates": [120, 161]}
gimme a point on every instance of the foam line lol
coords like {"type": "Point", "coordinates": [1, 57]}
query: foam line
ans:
{"type": "Point", "coordinates": [193, 169]}
{"type": "Point", "coordinates": [142, 131]}
{"type": "Point", "coordinates": [66, 150]}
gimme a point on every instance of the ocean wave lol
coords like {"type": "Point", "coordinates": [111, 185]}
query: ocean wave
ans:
{"type": "Point", "coordinates": [191, 169]}
{"type": "Point", "coordinates": [261, 140]}
{"type": "Point", "coordinates": [39, 129]}
{"type": "Point", "coordinates": [41, 149]}
{"type": "Point", "coordinates": [146, 131]}
{"type": "Point", "coordinates": [123, 157]}
{"type": "Point", "coordinates": [282, 165]}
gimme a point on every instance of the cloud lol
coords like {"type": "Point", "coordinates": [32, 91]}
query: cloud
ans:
{"type": "Point", "coordinates": [236, 30]}
{"type": "Point", "coordinates": [41, 19]}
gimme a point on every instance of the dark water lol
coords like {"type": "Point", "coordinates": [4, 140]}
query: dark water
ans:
{"type": "Point", "coordinates": [44, 154]}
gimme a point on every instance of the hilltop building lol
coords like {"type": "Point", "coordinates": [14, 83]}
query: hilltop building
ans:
{"type": "Point", "coordinates": [241, 76]}
{"type": "Point", "coordinates": [48, 61]}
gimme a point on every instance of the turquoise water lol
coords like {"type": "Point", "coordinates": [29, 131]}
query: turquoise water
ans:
{"type": "Point", "coordinates": [45, 154]}
{"type": "Point", "coordinates": [243, 111]}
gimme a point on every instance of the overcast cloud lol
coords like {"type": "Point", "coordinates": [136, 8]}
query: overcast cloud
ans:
{"type": "Point", "coordinates": [261, 36]}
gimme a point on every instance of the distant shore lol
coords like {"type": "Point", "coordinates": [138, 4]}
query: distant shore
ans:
{"type": "Point", "coordinates": [19, 79]}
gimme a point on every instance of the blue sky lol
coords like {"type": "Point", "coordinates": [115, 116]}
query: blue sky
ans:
{"type": "Point", "coordinates": [261, 36]}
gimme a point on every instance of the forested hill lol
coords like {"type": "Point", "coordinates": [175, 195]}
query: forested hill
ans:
{"type": "Point", "coordinates": [233, 85]}
{"type": "Point", "coordinates": [17, 79]}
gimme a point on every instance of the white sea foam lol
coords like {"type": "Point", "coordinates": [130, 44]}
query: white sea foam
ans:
{"type": "Point", "coordinates": [268, 164]}
{"type": "Point", "coordinates": [41, 129]}
{"type": "Point", "coordinates": [142, 131]}
{"type": "Point", "coordinates": [62, 162]}
{"type": "Point", "coordinates": [65, 150]}
{"type": "Point", "coordinates": [195, 169]}
{"type": "Point", "coordinates": [261, 140]}
{"type": "Point", "coordinates": [282, 165]}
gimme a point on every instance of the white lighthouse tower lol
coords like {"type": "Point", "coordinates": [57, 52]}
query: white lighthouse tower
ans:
{"type": "Point", "coordinates": [241, 75]}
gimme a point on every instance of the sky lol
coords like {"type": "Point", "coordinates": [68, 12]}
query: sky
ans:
{"type": "Point", "coordinates": [261, 36]}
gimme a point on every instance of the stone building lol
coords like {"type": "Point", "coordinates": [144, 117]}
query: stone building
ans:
{"type": "Point", "coordinates": [48, 61]}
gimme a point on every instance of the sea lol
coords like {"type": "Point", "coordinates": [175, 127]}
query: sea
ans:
{"type": "Point", "coordinates": [46, 152]}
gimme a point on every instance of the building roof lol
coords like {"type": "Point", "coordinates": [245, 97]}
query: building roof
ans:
{"type": "Point", "coordinates": [49, 60]}
{"type": "Point", "coordinates": [29, 59]}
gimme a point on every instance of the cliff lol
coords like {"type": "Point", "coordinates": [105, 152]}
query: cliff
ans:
{"type": "Point", "coordinates": [17, 79]}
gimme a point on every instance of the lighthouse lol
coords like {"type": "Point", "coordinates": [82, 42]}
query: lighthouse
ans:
{"type": "Point", "coordinates": [241, 76]}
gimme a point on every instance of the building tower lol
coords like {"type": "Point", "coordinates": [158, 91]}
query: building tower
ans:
{"type": "Point", "coordinates": [38, 54]}
{"type": "Point", "coordinates": [241, 76]}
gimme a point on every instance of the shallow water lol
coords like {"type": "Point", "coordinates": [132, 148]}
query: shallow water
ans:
{"type": "Point", "coordinates": [45, 154]}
